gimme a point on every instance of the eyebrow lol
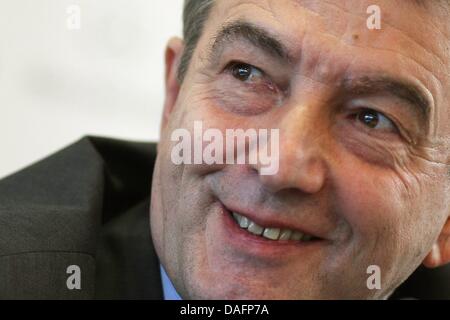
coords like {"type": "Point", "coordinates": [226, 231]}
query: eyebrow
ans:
{"type": "Point", "coordinates": [401, 89]}
{"type": "Point", "coordinates": [271, 45]}
{"type": "Point", "coordinates": [257, 36]}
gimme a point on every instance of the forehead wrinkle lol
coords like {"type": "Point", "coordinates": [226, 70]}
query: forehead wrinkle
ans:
{"type": "Point", "coordinates": [386, 22]}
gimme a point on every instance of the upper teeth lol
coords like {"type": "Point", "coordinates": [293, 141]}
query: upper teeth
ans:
{"type": "Point", "coordinates": [270, 233]}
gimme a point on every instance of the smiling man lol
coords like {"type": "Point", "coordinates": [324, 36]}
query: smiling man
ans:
{"type": "Point", "coordinates": [363, 149]}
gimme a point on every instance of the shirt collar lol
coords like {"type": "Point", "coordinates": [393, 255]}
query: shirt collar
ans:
{"type": "Point", "coordinates": [168, 289]}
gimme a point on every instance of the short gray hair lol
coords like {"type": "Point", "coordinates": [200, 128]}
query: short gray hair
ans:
{"type": "Point", "coordinates": [195, 14]}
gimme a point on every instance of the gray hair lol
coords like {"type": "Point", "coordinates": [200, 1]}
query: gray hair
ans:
{"type": "Point", "coordinates": [195, 14]}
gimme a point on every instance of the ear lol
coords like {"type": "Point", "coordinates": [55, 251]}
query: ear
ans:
{"type": "Point", "coordinates": [174, 51]}
{"type": "Point", "coordinates": [440, 252]}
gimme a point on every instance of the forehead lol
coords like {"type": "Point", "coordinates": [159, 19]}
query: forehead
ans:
{"type": "Point", "coordinates": [421, 22]}
{"type": "Point", "coordinates": [414, 39]}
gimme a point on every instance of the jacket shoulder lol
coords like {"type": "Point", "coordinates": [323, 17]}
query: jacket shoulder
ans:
{"type": "Point", "coordinates": [52, 212]}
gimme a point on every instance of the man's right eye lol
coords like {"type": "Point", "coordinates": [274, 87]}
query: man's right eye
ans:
{"type": "Point", "coordinates": [247, 89]}
{"type": "Point", "coordinates": [246, 72]}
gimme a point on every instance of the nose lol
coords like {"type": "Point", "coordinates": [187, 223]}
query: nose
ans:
{"type": "Point", "coordinates": [302, 153]}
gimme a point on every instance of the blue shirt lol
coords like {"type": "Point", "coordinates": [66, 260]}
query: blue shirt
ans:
{"type": "Point", "coordinates": [168, 289]}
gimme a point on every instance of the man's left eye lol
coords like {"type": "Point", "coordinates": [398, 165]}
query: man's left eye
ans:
{"type": "Point", "coordinates": [245, 72]}
{"type": "Point", "coordinates": [375, 120]}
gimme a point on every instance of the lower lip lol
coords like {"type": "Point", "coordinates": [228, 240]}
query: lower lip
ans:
{"type": "Point", "coordinates": [242, 240]}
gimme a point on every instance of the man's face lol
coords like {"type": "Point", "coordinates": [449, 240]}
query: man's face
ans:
{"type": "Point", "coordinates": [364, 125]}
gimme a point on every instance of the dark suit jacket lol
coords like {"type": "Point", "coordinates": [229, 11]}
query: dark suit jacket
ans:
{"type": "Point", "coordinates": [88, 205]}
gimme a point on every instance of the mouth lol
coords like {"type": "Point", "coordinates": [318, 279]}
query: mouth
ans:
{"type": "Point", "coordinates": [270, 232]}
{"type": "Point", "coordinates": [268, 239]}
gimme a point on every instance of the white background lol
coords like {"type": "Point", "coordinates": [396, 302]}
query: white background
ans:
{"type": "Point", "coordinates": [57, 84]}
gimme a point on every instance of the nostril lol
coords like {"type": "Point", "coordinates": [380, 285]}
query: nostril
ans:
{"type": "Point", "coordinates": [306, 176]}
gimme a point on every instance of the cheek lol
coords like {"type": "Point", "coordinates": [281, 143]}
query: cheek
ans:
{"type": "Point", "coordinates": [390, 215]}
{"type": "Point", "coordinates": [370, 205]}
{"type": "Point", "coordinates": [423, 189]}
{"type": "Point", "coordinates": [380, 211]}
